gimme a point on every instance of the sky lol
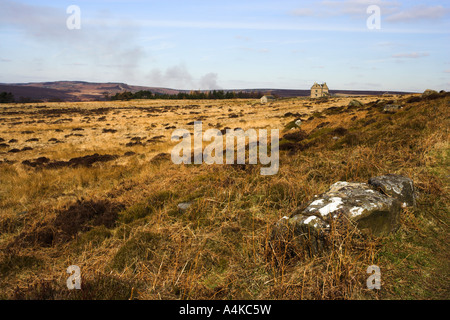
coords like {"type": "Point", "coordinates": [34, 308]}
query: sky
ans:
{"type": "Point", "coordinates": [233, 44]}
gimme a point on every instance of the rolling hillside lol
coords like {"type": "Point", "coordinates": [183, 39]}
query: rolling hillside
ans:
{"type": "Point", "coordinates": [89, 91]}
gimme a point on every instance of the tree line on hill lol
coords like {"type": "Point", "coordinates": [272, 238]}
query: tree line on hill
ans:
{"type": "Point", "coordinates": [6, 97]}
{"type": "Point", "coordinates": [193, 95]}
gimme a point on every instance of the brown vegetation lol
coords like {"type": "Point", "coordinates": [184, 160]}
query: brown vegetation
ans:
{"type": "Point", "coordinates": [118, 219]}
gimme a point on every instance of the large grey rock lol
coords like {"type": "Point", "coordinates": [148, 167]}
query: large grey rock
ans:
{"type": "Point", "coordinates": [372, 207]}
{"type": "Point", "coordinates": [356, 201]}
{"type": "Point", "coordinates": [355, 104]}
{"type": "Point", "coordinates": [396, 186]}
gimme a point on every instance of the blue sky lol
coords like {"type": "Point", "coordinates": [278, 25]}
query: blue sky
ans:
{"type": "Point", "coordinates": [229, 44]}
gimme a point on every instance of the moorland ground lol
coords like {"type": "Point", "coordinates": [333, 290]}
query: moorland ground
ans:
{"type": "Point", "coordinates": [92, 184]}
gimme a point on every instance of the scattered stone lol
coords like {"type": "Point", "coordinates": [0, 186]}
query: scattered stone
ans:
{"type": "Point", "coordinates": [184, 206]}
{"type": "Point", "coordinates": [391, 108]}
{"type": "Point", "coordinates": [355, 104]}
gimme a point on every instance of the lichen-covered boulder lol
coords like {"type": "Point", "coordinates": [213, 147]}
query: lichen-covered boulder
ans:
{"type": "Point", "coordinates": [368, 208]}
{"type": "Point", "coordinates": [396, 186]}
{"type": "Point", "coordinates": [372, 207]}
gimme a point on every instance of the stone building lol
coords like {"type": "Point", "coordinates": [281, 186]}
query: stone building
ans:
{"type": "Point", "coordinates": [319, 90]}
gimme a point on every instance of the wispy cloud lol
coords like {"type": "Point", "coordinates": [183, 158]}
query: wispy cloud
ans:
{"type": "Point", "coordinates": [392, 11]}
{"type": "Point", "coordinates": [259, 26]}
{"type": "Point", "coordinates": [209, 81]}
{"type": "Point", "coordinates": [302, 12]}
{"type": "Point", "coordinates": [357, 7]}
{"type": "Point", "coordinates": [179, 77]}
{"type": "Point", "coordinates": [101, 44]}
{"type": "Point", "coordinates": [260, 50]}
{"type": "Point", "coordinates": [418, 13]}
{"type": "Point", "coordinates": [412, 55]}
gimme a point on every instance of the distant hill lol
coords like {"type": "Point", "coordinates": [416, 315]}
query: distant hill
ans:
{"type": "Point", "coordinates": [73, 90]}
{"type": "Point", "coordinates": [89, 91]}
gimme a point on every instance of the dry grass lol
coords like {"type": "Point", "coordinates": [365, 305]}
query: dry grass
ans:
{"type": "Point", "coordinates": [119, 221]}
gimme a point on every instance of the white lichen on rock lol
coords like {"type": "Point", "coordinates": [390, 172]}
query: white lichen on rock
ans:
{"type": "Point", "coordinates": [331, 207]}
{"type": "Point", "coordinates": [356, 211]}
{"type": "Point", "coordinates": [309, 219]}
